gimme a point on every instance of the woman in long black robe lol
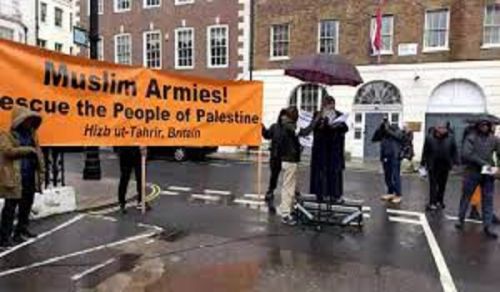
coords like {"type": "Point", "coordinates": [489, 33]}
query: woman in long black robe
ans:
{"type": "Point", "coordinates": [327, 161]}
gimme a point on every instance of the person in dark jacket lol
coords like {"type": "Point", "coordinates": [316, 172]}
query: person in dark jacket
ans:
{"type": "Point", "coordinates": [327, 156]}
{"type": "Point", "coordinates": [290, 150]}
{"type": "Point", "coordinates": [390, 138]}
{"type": "Point", "coordinates": [477, 155]}
{"type": "Point", "coordinates": [438, 157]}
{"type": "Point", "coordinates": [130, 160]}
{"type": "Point", "coordinates": [273, 134]}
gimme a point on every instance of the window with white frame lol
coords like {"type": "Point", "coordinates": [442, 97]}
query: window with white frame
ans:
{"type": "Point", "coordinates": [58, 47]}
{"type": "Point", "coordinates": [152, 49]}
{"type": "Point", "coordinates": [41, 43]}
{"type": "Point", "coordinates": [100, 7]}
{"type": "Point", "coordinates": [386, 34]}
{"type": "Point", "coordinates": [58, 17]}
{"type": "Point", "coordinates": [152, 3]}
{"type": "Point", "coordinates": [218, 46]}
{"type": "Point", "coordinates": [182, 2]}
{"type": "Point", "coordinates": [6, 33]}
{"type": "Point", "coordinates": [328, 37]}
{"type": "Point", "coordinates": [123, 5]}
{"type": "Point", "coordinates": [184, 48]}
{"type": "Point", "coordinates": [492, 25]}
{"type": "Point", "coordinates": [280, 41]}
{"type": "Point", "coordinates": [43, 12]}
{"type": "Point", "coordinates": [123, 49]}
{"type": "Point", "coordinates": [436, 29]}
{"type": "Point", "coordinates": [307, 97]}
{"type": "Point", "coordinates": [100, 48]}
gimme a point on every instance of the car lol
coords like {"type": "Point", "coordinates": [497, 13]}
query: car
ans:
{"type": "Point", "coordinates": [180, 153]}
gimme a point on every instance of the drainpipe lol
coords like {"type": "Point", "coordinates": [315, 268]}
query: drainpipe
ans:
{"type": "Point", "coordinates": [251, 57]}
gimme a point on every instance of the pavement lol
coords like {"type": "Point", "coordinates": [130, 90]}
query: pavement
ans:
{"type": "Point", "coordinates": [208, 232]}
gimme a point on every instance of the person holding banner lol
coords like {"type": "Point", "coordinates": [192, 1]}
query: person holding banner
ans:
{"type": "Point", "coordinates": [130, 160]}
{"type": "Point", "coordinates": [327, 161]}
{"type": "Point", "coordinates": [273, 134]}
{"type": "Point", "coordinates": [21, 174]}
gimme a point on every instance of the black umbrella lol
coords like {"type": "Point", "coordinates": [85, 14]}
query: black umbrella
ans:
{"type": "Point", "coordinates": [484, 118]}
{"type": "Point", "coordinates": [325, 69]}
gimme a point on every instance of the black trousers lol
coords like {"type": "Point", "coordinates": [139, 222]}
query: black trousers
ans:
{"type": "Point", "coordinates": [438, 177]}
{"type": "Point", "coordinates": [275, 165]}
{"type": "Point", "coordinates": [127, 165]}
{"type": "Point", "coordinates": [23, 207]}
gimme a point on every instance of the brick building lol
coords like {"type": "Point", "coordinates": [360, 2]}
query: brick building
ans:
{"type": "Point", "coordinates": [198, 37]}
{"type": "Point", "coordinates": [439, 59]}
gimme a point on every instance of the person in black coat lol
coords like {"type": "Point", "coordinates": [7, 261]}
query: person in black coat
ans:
{"type": "Point", "coordinates": [438, 157]}
{"type": "Point", "coordinates": [327, 157]}
{"type": "Point", "coordinates": [274, 134]}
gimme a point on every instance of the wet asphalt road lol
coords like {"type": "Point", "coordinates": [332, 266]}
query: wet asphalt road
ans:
{"type": "Point", "coordinates": [226, 247]}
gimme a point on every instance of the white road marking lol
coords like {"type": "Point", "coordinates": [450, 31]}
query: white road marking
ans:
{"type": "Point", "coordinates": [45, 234]}
{"type": "Point", "coordinates": [367, 216]}
{"type": "Point", "coordinates": [254, 196]}
{"type": "Point", "coordinates": [209, 198]}
{"type": "Point", "coordinates": [107, 218]}
{"type": "Point", "coordinates": [74, 254]}
{"type": "Point", "coordinates": [89, 271]}
{"type": "Point", "coordinates": [169, 193]}
{"type": "Point", "coordinates": [179, 189]}
{"type": "Point", "coordinates": [150, 241]}
{"type": "Point", "coordinates": [404, 212]}
{"type": "Point", "coordinates": [150, 226]}
{"type": "Point", "coordinates": [454, 218]}
{"type": "Point", "coordinates": [249, 202]}
{"type": "Point", "coordinates": [445, 275]}
{"type": "Point", "coordinates": [366, 209]}
{"type": "Point", "coordinates": [217, 192]}
{"type": "Point", "coordinates": [404, 220]}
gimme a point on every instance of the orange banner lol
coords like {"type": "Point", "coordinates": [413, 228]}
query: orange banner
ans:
{"type": "Point", "coordinates": [90, 103]}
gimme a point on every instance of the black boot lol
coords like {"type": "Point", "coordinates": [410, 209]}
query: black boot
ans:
{"type": "Point", "coordinates": [490, 234]}
{"type": "Point", "coordinates": [459, 225]}
{"type": "Point", "coordinates": [269, 199]}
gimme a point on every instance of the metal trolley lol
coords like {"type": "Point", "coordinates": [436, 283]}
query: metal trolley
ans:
{"type": "Point", "coordinates": [327, 213]}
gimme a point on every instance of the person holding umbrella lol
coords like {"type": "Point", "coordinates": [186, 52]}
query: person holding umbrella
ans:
{"type": "Point", "coordinates": [477, 154]}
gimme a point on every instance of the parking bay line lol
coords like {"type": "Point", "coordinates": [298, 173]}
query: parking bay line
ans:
{"type": "Point", "coordinates": [74, 254]}
{"type": "Point", "coordinates": [179, 189]}
{"type": "Point", "coordinates": [78, 277]}
{"type": "Point", "coordinates": [45, 234]}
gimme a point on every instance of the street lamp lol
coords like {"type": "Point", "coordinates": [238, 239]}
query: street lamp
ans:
{"type": "Point", "coordinates": [92, 169]}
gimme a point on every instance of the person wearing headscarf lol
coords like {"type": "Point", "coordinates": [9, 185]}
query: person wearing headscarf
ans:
{"type": "Point", "coordinates": [21, 174]}
{"type": "Point", "coordinates": [327, 157]}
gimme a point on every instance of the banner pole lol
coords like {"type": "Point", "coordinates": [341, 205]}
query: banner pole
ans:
{"type": "Point", "coordinates": [259, 171]}
{"type": "Point", "coordinates": [143, 181]}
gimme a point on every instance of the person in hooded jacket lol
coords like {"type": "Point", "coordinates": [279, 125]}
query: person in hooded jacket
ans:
{"type": "Point", "coordinates": [273, 134]}
{"type": "Point", "coordinates": [21, 174]}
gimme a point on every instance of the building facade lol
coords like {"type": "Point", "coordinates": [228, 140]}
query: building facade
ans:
{"type": "Point", "coordinates": [15, 22]}
{"type": "Point", "coordinates": [56, 20]}
{"type": "Point", "coordinates": [196, 37]}
{"type": "Point", "coordinates": [440, 59]}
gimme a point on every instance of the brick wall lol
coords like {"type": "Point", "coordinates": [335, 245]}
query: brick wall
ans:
{"type": "Point", "coordinates": [465, 37]}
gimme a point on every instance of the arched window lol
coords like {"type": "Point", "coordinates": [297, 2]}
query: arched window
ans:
{"type": "Point", "coordinates": [378, 93]}
{"type": "Point", "coordinates": [307, 97]}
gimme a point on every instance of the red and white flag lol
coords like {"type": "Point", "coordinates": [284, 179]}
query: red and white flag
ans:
{"type": "Point", "coordinates": [377, 29]}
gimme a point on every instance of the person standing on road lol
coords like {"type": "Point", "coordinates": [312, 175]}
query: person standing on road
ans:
{"type": "Point", "coordinates": [390, 138]}
{"type": "Point", "coordinates": [273, 134]}
{"type": "Point", "coordinates": [21, 174]}
{"type": "Point", "coordinates": [477, 155]}
{"type": "Point", "coordinates": [290, 150]}
{"type": "Point", "coordinates": [327, 156]}
{"type": "Point", "coordinates": [130, 159]}
{"type": "Point", "coordinates": [438, 157]}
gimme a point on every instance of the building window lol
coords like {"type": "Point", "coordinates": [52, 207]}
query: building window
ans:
{"type": "Point", "coordinates": [100, 49]}
{"type": "Point", "coordinates": [184, 48]}
{"type": "Point", "coordinates": [492, 25]}
{"type": "Point", "coordinates": [358, 126]}
{"type": "Point", "coordinates": [307, 97]}
{"type": "Point", "coordinates": [58, 17]}
{"type": "Point", "coordinates": [100, 7]}
{"type": "Point", "coordinates": [218, 46]}
{"type": "Point", "coordinates": [6, 33]}
{"type": "Point", "coordinates": [328, 40]}
{"type": "Point", "coordinates": [280, 41]}
{"type": "Point", "coordinates": [43, 12]}
{"type": "Point", "coordinates": [152, 49]}
{"type": "Point", "coordinates": [386, 33]}
{"type": "Point", "coordinates": [182, 2]}
{"type": "Point", "coordinates": [41, 43]}
{"type": "Point", "coordinates": [123, 49]}
{"type": "Point", "coordinates": [436, 30]}
{"type": "Point", "coordinates": [58, 47]}
{"type": "Point", "coordinates": [123, 5]}
{"type": "Point", "coordinates": [152, 3]}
